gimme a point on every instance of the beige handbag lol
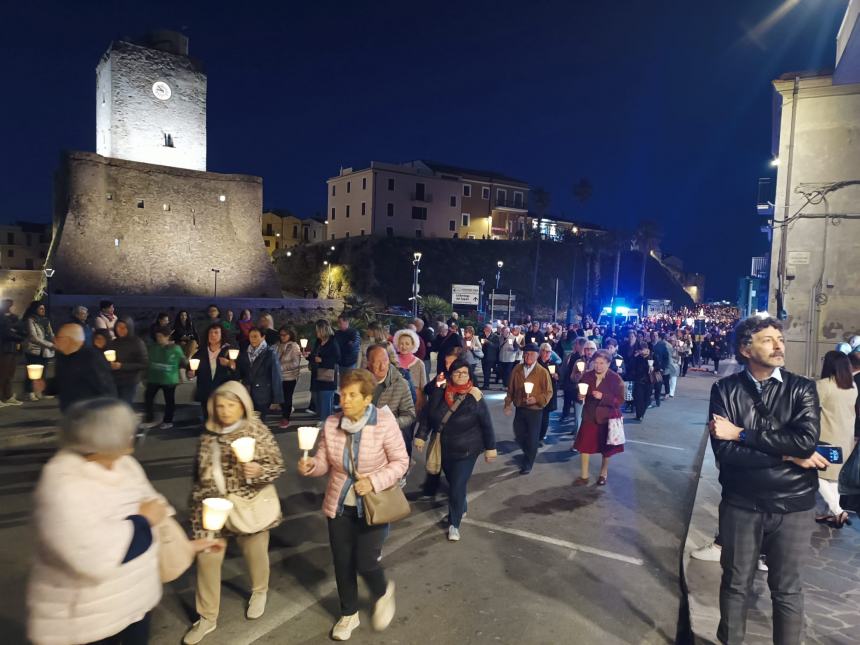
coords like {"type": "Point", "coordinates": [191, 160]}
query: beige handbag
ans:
{"type": "Point", "coordinates": [325, 375]}
{"type": "Point", "coordinates": [382, 507]}
{"type": "Point", "coordinates": [256, 514]}
{"type": "Point", "coordinates": [175, 553]}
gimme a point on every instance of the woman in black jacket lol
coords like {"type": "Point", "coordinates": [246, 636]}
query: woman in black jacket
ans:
{"type": "Point", "coordinates": [215, 366]}
{"type": "Point", "coordinates": [131, 361]}
{"type": "Point", "coordinates": [458, 412]}
{"type": "Point", "coordinates": [642, 374]}
{"type": "Point", "coordinates": [323, 362]}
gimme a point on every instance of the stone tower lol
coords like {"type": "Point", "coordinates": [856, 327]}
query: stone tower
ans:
{"type": "Point", "coordinates": [151, 103]}
{"type": "Point", "coordinates": [142, 216]}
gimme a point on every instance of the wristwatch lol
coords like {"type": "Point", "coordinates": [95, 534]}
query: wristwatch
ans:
{"type": "Point", "coordinates": [742, 437]}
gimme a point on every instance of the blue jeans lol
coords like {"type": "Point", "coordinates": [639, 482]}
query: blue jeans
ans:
{"type": "Point", "coordinates": [323, 401]}
{"type": "Point", "coordinates": [457, 472]}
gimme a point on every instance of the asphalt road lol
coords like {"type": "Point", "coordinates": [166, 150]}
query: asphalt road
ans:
{"type": "Point", "coordinates": [539, 561]}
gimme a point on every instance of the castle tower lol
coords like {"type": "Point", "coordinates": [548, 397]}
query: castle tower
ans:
{"type": "Point", "coordinates": [143, 216]}
{"type": "Point", "coordinates": [151, 103]}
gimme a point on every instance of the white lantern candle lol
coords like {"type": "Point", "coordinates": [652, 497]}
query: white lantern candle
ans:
{"type": "Point", "coordinates": [583, 388]}
{"type": "Point", "coordinates": [650, 362]}
{"type": "Point", "coordinates": [618, 362]}
{"type": "Point", "coordinates": [580, 365]}
{"type": "Point", "coordinates": [233, 354]}
{"type": "Point", "coordinates": [34, 372]}
{"type": "Point", "coordinates": [110, 355]}
{"type": "Point", "coordinates": [528, 388]}
{"type": "Point", "coordinates": [215, 512]}
{"type": "Point", "coordinates": [307, 438]}
{"type": "Point", "coordinates": [510, 341]}
{"type": "Point", "coordinates": [552, 369]}
{"type": "Point", "coordinates": [304, 343]}
{"type": "Point", "coordinates": [244, 448]}
{"type": "Point", "coordinates": [194, 363]}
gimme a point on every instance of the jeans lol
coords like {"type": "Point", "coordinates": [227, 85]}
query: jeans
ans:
{"type": "Point", "coordinates": [323, 400]}
{"type": "Point", "coordinates": [289, 388]}
{"type": "Point", "coordinates": [8, 363]}
{"type": "Point", "coordinates": [784, 540]}
{"type": "Point", "coordinates": [134, 634]}
{"type": "Point", "coordinates": [527, 433]}
{"type": "Point", "coordinates": [457, 472]}
{"type": "Point", "coordinates": [169, 401]}
{"type": "Point", "coordinates": [506, 369]}
{"type": "Point", "coordinates": [355, 549]}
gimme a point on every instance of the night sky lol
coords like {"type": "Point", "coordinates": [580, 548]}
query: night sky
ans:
{"type": "Point", "coordinates": [665, 106]}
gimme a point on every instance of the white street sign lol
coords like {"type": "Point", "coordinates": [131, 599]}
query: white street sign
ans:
{"type": "Point", "coordinates": [465, 294]}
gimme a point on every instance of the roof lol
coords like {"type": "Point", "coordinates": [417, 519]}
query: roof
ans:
{"type": "Point", "coordinates": [489, 175]}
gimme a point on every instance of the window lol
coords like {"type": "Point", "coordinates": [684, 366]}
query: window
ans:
{"type": "Point", "coordinates": [348, 186]}
{"type": "Point", "coordinates": [390, 209]}
{"type": "Point", "coordinates": [419, 192]}
{"type": "Point", "coordinates": [364, 183]}
{"type": "Point", "coordinates": [305, 231]}
{"type": "Point", "coordinates": [485, 192]}
{"type": "Point", "coordinates": [268, 243]}
{"type": "Point", "coordinates": [140, 203]}
{"type": "Point", "coordinates": [332, 236]}
{"type": "Point", "coordinates": [452, 225]}
{"type": "Point", "coordinates": [453, 201]}
{"type": "Point", "coordinates": [10, 253]}
{"type": "Point", "coordinates": [168, 140]}
{"type": "Point", "coordinates": [466, 218]}
{"type": "Point", "coordinates": [389, 231]}
{"type": "Point", "coordinates": [467, 190]}
{"type": "Point", "coordinates": [501, 196]}
{"type": "Point", "coordinates": [347, 233]}
{"type": "Point", "coordinates": [419, 212]}
{"type": "Point", "coordinates": [29, 240]}
{"type": "Point", "coordinates": [518, 199]}
{"type": "Point", "coordinates": [10, 238]}
{"type": "Point", "coordinates": [295, 231]}
{"type": "Point", "coordinates": [269, 229]}
{"type": "Point", "coordinates": [364, 208]}
{"type": "Point", "coordinates": [419, 232]}
{"type": "Point", "coordinates": [109, 196]}
{"type": "Point", "coordinates": [470, 237]}
{"type": "Point", "coordinates": [391, 184]}
{"type": "Point", "coordinates": [362, 231]}
{"type": "Point", "coordinates": [165, 207]}
{"type": "Point", "coordinates": [347, 210]}
{"type": "Point", "coordinates": [333, 190]}
{"type": "Point", "coordinates": [332, 213]}
{"type": "Point", "coordinates": [28, 263]}
{"type": "Point", "coordinates": [222, 198]}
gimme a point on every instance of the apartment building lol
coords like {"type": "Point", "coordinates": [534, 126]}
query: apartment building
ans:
{"type": "Point", "coordinates": [24, 245]}
{"type": "Point", "coordinates": [283, 230]}
{"type": "Point", "coordinates": [424, 199]}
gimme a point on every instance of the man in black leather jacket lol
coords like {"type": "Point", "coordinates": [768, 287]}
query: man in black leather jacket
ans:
{"type": "Point", "coordinates": [764, 425]}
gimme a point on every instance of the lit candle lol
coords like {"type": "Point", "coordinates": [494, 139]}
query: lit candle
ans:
{"type": "Point", "coordinates": [110, 355]}
{"type": "Point", "coordinates": [583, 388]}
{"type": "Point", "coordinates": [307, 438]}
{"type": "Point", "coordinates": [244, 448]}
{"type": "Point", "coordinates": [618, 362]}
{"type": "Point", "coordinates": [552, 369]}
{"type": "Point", "coordinates": [510, 341]}
{"type": "Point", "coordinates": [233, 354]}
{"type": "Point", "coordinates": [650, 362]}
{"type": "Point", "coordinates": [304, 343]}
{"type": "Point", "coordinates": [528, 388]}
{"type": "Point", "coordinates": [580, 365]}
{"type": "Point", "coordinates": [215, 513]}
{"type": "Point", "coordinates": [194, 363]}
{"type": "Point", "coordinates": [34, 372]}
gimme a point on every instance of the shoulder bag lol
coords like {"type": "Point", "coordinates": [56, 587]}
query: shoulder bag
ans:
{"type": "Point", "coordinates": [615, 437]}
{"type": "Point", "coordinates": [175, 553]}
{"type": "Point", "coordinates": [433, 464]}
{"type": "Point", "coordinates": [252, 515]}
{"type": "Point", "coordinates": [381, 507]}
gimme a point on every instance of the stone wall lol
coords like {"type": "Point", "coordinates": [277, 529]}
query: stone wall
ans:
{"type": "Point", "coordinates": [123, 227]}
{"type": "Point", "coordinates": [21, 286]}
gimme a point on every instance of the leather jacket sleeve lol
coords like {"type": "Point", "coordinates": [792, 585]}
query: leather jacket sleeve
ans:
{"type": "Point", "coordinates": [795, 438]}
{"type": "Point", "coordinates": [734, 452]}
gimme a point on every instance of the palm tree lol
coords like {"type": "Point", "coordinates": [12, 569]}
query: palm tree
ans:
{"type": "Point", "coordinates": [434, 306]}
{"type": "Point", "coordinates": [541, 200]}
{"type": "Point", "coordinates": [359, 309]}
{"type": "Point", "coordinates": [646, 240]}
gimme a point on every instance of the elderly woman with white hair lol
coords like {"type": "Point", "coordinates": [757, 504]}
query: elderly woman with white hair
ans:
{"type": "Point", "coordinates": [407, 342]}
{"type": "Point", "coordinates": [95, 574]}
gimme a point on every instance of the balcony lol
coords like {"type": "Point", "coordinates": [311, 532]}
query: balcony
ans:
{"type": "Point", "coordinates": [425, 198]}
{"type": "Point", "coordinates": [510, 204]}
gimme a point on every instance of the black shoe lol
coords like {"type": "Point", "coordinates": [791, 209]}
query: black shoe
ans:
{"type": "Point", "coordinates": [525, 471]}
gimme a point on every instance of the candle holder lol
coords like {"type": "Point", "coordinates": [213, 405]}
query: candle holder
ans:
{"type": "Point", "coordinates": [619, 362]}
{"type": "Point", "coordinates": [307, 438]}
{"type": "Point", "coordinates": [529, 388]}
{"type": "Point", "coordinates": [194, 364]}
{"type": "Point", "coordinates": [551, 369]}
{"type": "Point", "coordinates": [580, 365]}
{"type": "Point", "coordinates": [34, 372]}
{"type": "Point", "coordinates": [216, 510]}
{"type": "Point", "coordinates": [110, 355]}
{"type": "Point", "coordinates": [583, 388]}
{"type": "Point", "coordinates": [233, 354]}
{"type": "Point", "coordinates": [244, 448]}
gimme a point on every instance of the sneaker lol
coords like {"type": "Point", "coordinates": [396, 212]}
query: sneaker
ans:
{"type": "Point", "coordinates": [761, 565]}
{"type": "Point", "coordinates": [32, 396]}
{"type": "Point", "coordinates": [3, 404]}
{"type": "Point", "coordinates": [165, 426]}
{"type": "Point", "coordinates": [383, 610]}
{"type": "Point", "coordinates": [426, 498]}
{"type": "Point", "coordinates": [45, 396]}
{"type": "Point", "coordinates": [453, 534]}
{"type": "Point", "coordinates": [709, 553]}
{"type": "Point", "coordinates": [284, 424]}
{"type": "Point", "coordinates": [149, 425]}
{"type": "Point", "coordinates": [343, 628]}
{"type": "Point", "coordinates": [257, 605]}
{"type": "Point", "coordinates": [199, 630]}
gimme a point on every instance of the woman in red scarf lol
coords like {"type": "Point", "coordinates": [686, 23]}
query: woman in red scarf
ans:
{"type": "Point", "coordinates": [458, 412]}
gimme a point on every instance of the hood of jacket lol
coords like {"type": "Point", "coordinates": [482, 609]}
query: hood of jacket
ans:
{"type": "Point", "coordinates": [230, 387]}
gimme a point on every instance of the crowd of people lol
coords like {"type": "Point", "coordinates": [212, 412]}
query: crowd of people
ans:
{"type": "Point", "coordinates": [377, 397]}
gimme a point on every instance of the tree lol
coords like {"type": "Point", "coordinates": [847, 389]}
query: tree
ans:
{"type": "Point", "coordinates": [646, 239]}
{"type": "Point", "coordinates": [541, 201]}
{"type": "Point", "coordinates": [434, 307]}
{"type": "Point", "coordinates": [359, 309]}
{"type": "Point", "coordinates": [583, 190]}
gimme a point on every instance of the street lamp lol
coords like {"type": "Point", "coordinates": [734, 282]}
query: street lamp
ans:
{"type": "Point", "coordinates": [481, 284]}
{"type": "Point", "coordinates": [416, 260]}
{"type": "Point", "coordinates": [328, 291]}
{"type": "Point", "coordinates": [499, 264]}
{"type": "Point", "coordinates": [49, 273]}
{"type": "Point", "coordinates": [215, 291]}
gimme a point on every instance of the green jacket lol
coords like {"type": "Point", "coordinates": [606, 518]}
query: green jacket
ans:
{"type": "Point", "coordinates": [164, 363]}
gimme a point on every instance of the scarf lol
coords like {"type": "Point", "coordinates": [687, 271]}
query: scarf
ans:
{"type": "Point", "coordinates": [216, 470]}
{"type": "Point", "coordinates": [452, 390]}
{"type": "Point", "coordinates": [254, 354]}
{"type": "Point", "coordinates": [351, 427]}
{"type": "Point", "coordinates": [405, 360]}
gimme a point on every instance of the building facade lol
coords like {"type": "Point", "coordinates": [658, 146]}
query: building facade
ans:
{"type": "Point", "coordinates": [424, 199]}
{"type": "Point", "coordinates": [24, 245]}
{"type": "Point", "coordinates": [815, 262]}
{"type": "Point", "coordinates": [144, 217]}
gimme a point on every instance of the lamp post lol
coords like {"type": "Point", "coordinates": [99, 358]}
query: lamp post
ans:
{"type": "Point", "coordinates": [416, 261]}
{"type": "Point", "coordinates": [215, 290]}
{"type": "Point", "coordinates": [499, 264]}
{"type": "Point", "coordinates": [481, 284]}
{"type": "Point", "coordinates": [328, 291]}
{"type": "Point", "coordinates": [49, 273]}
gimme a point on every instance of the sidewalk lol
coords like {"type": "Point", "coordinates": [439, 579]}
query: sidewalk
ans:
{"type": "Point", "coordinates": [831, 576]}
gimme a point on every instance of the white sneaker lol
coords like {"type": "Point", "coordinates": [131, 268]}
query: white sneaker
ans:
{"type": "Point", "coordinates": [46, 396]}
{"type": "Point", "coordinates": [710, 553]}
{"type": "Point", "coordinates": [12, 401]}
{"type": "Point", "coordinates": [343, 628]}
{"type": "Point", "coordinates": [165, 426]}
{"type": "Point", "coordinates": [257, 604]}
{"type": "Point", "coordinates": [383, 610]}
{"type": "Point", "coordinates": [149, 425]}
{"type": "Point", "coordinates": [453, 534]}
{"type": "Point", "coordinates": [3, 404]}
{"type": "Point", "coordinates": [33, 397]}
{"type": "Point", "coordinates": [199, 630]}
{"type": "Point", "coordinates": [761, 565]}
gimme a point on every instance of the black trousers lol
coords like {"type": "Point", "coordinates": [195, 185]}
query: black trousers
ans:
{"type": "Point", "coordinates": [289, 388]}
{"type": "Point", "coordinates": [487, 368]}
{"type": "Point", "coordinates": [135, 634]}
{"type": "Point", "coordinates": [355, 549]}
{"type": "Point", "coordinates": [8, 362]}
{"type": "Point", "coordinates": [685, 364]}
{"type": "Point", "coordinates": [169, 401]}
{"type": "Point", "coordinates": [658, 389]}
{"type": "Point", "coordinates": [527, 433]}
{"type": "Point", "coordinates": [641, 398]}
{"type": "Point", "coordinates": [784, 540]}
{"type": "Point", "coordinates": [666, 383]}
{"type": "Point", "coordinates": [544, 423]}
{"type": "Point", "coordinates": [505, 370]}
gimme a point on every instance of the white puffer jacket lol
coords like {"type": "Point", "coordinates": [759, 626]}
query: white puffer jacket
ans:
{"type": "Point", "coordinates": [79, 590]}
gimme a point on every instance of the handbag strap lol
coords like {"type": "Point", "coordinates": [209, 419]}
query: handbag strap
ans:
{"type": "Point", "coordinates": [457, 401]}
{"type": "Point", "coordinates": [758, 404]}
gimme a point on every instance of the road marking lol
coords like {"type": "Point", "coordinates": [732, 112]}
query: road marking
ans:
{"type": "Point", "coordinates": [550, 540]}
{"type": "Point", "coordinates": [656, 445]}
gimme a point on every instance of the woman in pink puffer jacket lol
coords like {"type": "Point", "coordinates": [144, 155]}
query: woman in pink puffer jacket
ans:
{"type": "Point", "coordinates": [380, 460]}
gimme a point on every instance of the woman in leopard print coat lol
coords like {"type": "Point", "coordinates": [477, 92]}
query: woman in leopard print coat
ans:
{"type": "Point", "coordinates": [231, 416]}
